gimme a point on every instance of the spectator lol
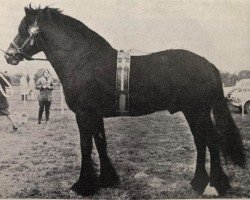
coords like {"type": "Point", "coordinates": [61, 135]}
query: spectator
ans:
{"type": "Point", "coordinates": [31, 86]}
{"type": "Point", "coordinates": [24, 88]}
{"type": "Point", "coordinates": [45, 85]}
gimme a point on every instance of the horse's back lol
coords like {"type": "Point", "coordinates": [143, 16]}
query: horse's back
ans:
{"type": "Point", "coordinates": [170, 79]}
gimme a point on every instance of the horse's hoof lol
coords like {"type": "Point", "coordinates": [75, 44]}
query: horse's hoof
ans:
{"type": "Point", "coordinates": [109, 182]}
{"type": "Point", "coordinates": [221, 184]}
{"type": "Point", "coordinates": [108, 178]}
{"type": "Point", "coordinates": [72, 194]}
{"type": "Point", "coordinates": [85, 188]}
{"type": "Point", "coordinates": [210, 192]}
{"type": "Point", "coordinates": [199, 182]}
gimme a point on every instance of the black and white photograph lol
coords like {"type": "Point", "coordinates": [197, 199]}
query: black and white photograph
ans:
{"type": "Point", "coordinates": [124, 99]}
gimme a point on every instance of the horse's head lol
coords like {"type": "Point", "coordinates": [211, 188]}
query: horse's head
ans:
{"type": "Point", "coordinates": [25, 44]}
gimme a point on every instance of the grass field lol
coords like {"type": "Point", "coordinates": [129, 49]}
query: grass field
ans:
{"type": "Point", "coordinates": [154, 156]}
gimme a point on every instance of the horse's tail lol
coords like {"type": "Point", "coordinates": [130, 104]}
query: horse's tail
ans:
{"type": "Point", "coordinates": [231, 143]}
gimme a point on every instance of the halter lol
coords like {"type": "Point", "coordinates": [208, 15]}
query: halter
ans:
{"type": "Point", "coordinates": [33, 31]}
{"type": "Point", "coordinates": [9, 85]}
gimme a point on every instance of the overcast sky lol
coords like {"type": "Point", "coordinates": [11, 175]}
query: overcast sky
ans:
{"type": "Point", "coordinates": [218, 30]}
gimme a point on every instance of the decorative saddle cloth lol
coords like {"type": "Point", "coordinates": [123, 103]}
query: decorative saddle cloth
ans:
{"type": "Point", "coordinates": [122, 82]}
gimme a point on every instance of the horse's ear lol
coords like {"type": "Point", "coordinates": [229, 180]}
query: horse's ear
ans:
{"type": "Point", "coordinates": [27, 11]}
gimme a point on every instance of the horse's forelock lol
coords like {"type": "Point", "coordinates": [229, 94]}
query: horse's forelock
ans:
{"type": "Point", "coordinates": [37, 13]}
{"type": "Point", "coordinates": [41, 11]}
{"type": "Point", "coordinates": [30, 11]}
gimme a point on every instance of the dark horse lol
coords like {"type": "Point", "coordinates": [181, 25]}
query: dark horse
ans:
{"type": "Point", "coordinates": [173, 80]}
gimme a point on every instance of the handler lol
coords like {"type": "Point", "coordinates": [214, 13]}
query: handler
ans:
{"type": "Point", "coordinates": [4, 105]}
{"type": "Point", "coordinates": [45, 85]}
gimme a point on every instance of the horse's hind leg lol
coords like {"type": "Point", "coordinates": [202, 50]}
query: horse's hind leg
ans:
{"type": "Point", "coordinates": [218, 178]}
{"type": "Point", "coordinates": [201, 178]}
{"type": "Point", "coordinates": [88, 182]}
{"type": "Point", "coordinates": [108, 176]}
{"type": "Point", "coordinates": [209, 136]}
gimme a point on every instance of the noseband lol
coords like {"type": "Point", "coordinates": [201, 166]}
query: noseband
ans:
{"type": "Point", "coordinates": [33, 31]}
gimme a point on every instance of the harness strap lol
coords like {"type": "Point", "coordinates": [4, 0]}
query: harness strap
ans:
{"type": "Point", "coordinates": [33, 31]}
{"type": "Point", "coordinates": [122, 82]}
{"type": "Point", "coordinates": [26, 41]}
{"type": "Point", "coordinates": [17, 47]}
{"type": "Point", "coordinates": [20, 49]}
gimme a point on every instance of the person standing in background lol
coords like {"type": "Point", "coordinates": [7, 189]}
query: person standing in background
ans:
{"type": "Point", "coordinates": [31, 86]}
{"type": "Point", "coordinates": [45, 85]}
{"type": "Point", "coordinates": [24, 88]}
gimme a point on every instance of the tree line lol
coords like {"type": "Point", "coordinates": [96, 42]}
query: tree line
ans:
{"type": "Point", "coordinates": [229, 79]}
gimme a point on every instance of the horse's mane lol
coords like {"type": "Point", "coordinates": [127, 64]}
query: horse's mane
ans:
{"type": "Point", "coordinates": [55, 16]}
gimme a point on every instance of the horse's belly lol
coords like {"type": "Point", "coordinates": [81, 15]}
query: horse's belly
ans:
{"type": "Point", "coordinates": [150, 99]}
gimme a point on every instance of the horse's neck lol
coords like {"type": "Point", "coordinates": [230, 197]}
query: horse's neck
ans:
{"type": "Point", "coordinates": [69, 56]}
{"type": "Point", "coordinates": [67, 53]}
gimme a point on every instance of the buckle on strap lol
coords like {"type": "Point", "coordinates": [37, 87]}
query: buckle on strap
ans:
{"type": "Point", "coordinates": [122, 82]}
{"type": "Point", "coordinates": [16, 47]}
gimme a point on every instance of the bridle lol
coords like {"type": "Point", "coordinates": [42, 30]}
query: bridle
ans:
{"type": "Point", "coordinates": [33, 31]}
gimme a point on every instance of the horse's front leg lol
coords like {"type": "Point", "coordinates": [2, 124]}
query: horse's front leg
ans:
{"type": "Point", "coordinates": [88, 182]}
{"type": "Point", "coordinates": [108, 176]}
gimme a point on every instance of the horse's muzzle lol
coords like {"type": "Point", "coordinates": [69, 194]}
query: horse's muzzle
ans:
{"type": "Point", "coordinates": [13, 58]}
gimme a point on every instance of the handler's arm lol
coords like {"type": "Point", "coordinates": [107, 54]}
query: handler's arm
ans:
{"type": "Point", "coordinates": [8, 79]}
{"type": "Point", "coordinates": [52, 87]}
{"type": "Point", "coordinates": [2, 82]}
{"type": "Point", "coordinates": [39, 84]}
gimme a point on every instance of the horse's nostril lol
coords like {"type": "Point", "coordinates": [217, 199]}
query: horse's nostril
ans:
{"type": "Point", "coordinates": [6, 56]}
{"type": "Point", "coordinates": [8, 60]}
